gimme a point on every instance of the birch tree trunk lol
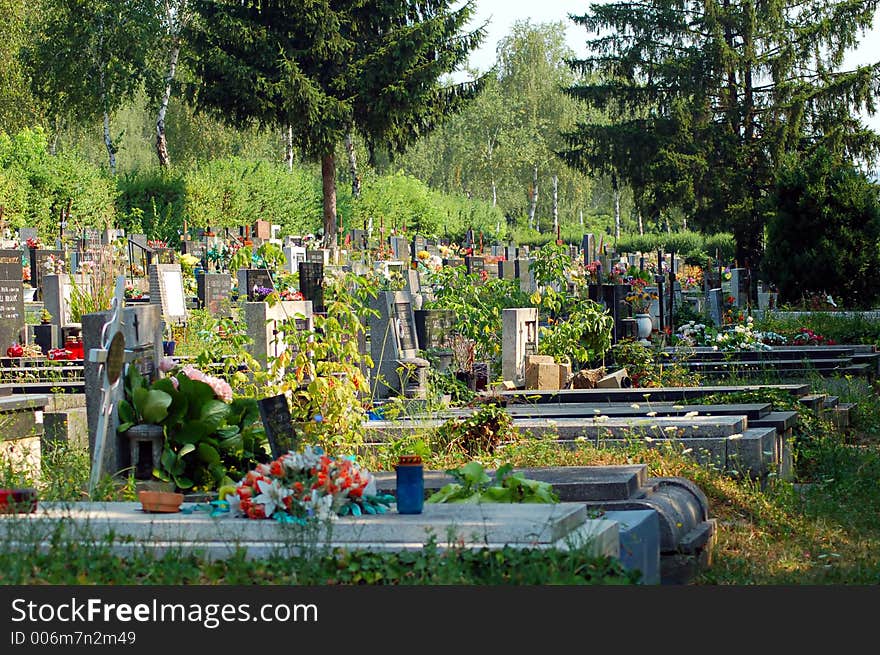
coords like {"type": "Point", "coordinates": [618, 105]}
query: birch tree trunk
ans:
{"type": "Point", "coordinates": [108, 142]}
{"type": "Point", "coordinates": [616, 187]}
{"type": "Point", "coordinates": [556, 204]}
{"type": "Point", "coordinates": [161, 142]}
{"type": "Point", "coordinates": [533, 201]}
{"type": "Point", "coordinates": [288, 147]}
{"type": "Point", "coordinates": [352, 166]}
{"type": "Point", "coordinates": [328, 183]}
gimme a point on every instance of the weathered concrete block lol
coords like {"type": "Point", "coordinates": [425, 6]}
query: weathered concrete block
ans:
{"type": "Point", "coordinates": [544, 376]}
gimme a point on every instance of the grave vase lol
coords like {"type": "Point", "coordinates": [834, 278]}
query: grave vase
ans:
{"type": "Point", "coordinates": [644, 326]}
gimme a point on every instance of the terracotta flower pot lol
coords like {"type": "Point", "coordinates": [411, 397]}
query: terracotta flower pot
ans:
{"type": "Point", "coordinates": [160, 501]}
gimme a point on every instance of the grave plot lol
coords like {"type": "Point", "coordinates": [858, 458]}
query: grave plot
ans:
{"type": "Point", "coordinates": [781, 361]}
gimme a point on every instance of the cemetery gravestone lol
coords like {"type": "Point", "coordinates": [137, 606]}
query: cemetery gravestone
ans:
{"type": "Point", "coordinates": [400, 248]}
{"type": "Point", "coordinates": [10, 265]}
{"type": "Point", "coordinates": [11, 313]}
{"type": "Point", "coordinates": [507, 270]}
{"type": "Point", "coordinates": [266, 324]}
{"type": "Point", "coordinates": [358, 239]}
{"type": "Point", "coordinates": [419, 244]}
{"type": "Point", "coordinates": [141, 328]}
{"type": "Point", "coordinates": [166, 290]}
{"type": "Point", "coordinates": [214, 293]}
{"type": "Point", "coordinates": [319, 256]}
{"type": "Point", "coordinates": [393, 345]}
{"type": "Point", "coordinates": [198, 249]}
{"type": "Point", "coordinates": [278, 423]}
{"type": "Point", "coordinates": [293, 255]}
{"type": "Point", "coordinates": [263, 230]}
{"type": "Point", "coordinates": [250, 278]}
{"type": "Point", "coordinates": [714, 299]}
{"type": "Point", "coordinates": [39, 259]}
{"type": "Point", "coordinates": [519, 339]}
{"type": "Point", "coordinates": [56, 297]}
{"type": "Point", "coordinates": [434, 328]}
{"type": "Point", "coordinates": [311, 284]}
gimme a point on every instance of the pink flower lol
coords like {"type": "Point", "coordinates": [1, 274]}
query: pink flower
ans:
{"type": "Point", "coordinates": [221, 388]}
{"type": "Point", "coordinates": [166, 364]}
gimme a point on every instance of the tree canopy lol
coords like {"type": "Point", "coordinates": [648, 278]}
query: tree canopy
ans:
{"type": "Point", "coordinates": [705, 97]}
{"type": "Point", "coordinates": [326, 67]}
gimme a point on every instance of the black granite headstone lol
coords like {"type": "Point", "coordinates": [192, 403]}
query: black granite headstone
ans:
{"type": "Point", "coordinates": [419, 243]}
{"type": "Point", "coordinates": [405, 329]}
{"type": "Point", "coordinates": [278, 423]}
{"type": "Point", "coordinates": [434, 328]}
{"type": "Point", "coordinates": [10, 265]}
{"type": "Point", "coordinates": [257, 277]}
{"type": "Point", "coordinates": [11, 313]}
{"type": "Point", "coordinates": [311, 284]}
{"type": "Point", "coordinates": [214, 291]}
{"type": "Point", "coordinates": [198, 249]}
{"type": "Point", "coordinates": [39, 258]}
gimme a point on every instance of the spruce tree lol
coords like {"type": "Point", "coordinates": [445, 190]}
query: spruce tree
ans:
{"type": "Point", "coordinates": [705, 97]}
{"type": "Point", "coordinates": [327, 67]}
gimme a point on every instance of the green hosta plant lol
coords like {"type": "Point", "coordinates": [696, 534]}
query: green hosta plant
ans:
{"type": "Point", "coordinates": [210, 438]}
{"type": "Point", "coordinates": [474, 485]}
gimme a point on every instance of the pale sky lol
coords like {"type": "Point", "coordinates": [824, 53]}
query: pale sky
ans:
{"type": "Point", "coordinates": [502, 14]}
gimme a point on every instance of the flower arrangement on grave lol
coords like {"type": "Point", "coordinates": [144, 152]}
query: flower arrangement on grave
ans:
{"type": "Point", "coordinates": [640, 298]}
{"type": "Point", "coordinates": [156, 244]}
{"type": "Point", "coordinates": [692, 277]}
{"type": "Point", "coordinates": [26, 275]}
{"type": "Point", "coordinates": [34, 243]}
{"type": "Point", "coordinates": [806, 337]}
{"type": "Point", "coordinates": [290, 294]}
{"type": "Point", "coordinates": [619, 274]}
{"type": "Point", "coordinates": [54, 265]}
{"type": "Point", "coordinates": [131, 293]}
{"type": "Point", "coordinates": [86, 267]}
{"type": "Point", "coordinates": [592, 271]}
{"type": "Point", "coordinates": [309, 484]}
{"type": "Point", "coordinates": [262, 293]}
{"type": "Point", "coordinates": [740, 336]}
{"type": "Point", "coordinates": [731, 314]}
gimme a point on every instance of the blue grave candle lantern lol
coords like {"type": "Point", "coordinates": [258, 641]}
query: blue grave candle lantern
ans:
{"type": "Point", "coordinates": [410, 484]}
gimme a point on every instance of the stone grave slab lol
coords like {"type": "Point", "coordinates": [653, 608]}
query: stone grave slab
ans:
{"type": "Point", "coordinates": [492, 525]}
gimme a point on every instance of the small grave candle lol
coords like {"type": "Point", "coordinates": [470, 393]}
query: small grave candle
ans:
{"type": "Point", "coordinates": [410, 485]}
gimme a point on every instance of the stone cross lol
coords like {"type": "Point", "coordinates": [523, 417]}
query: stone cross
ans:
{"type": "Point", "coordinates": [111, 358]}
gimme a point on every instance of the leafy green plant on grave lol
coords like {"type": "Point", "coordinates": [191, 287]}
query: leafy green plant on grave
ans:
{"type": "Point", "coordinates": [211, 439]}
{"type": "Point", "coordinates": [481, 432]}
{"type": "Point", "coordinates": [321, 367]}
{"type": "Point", "coordinates": [474, 485]}
{"type": "Point", "coordinates": [478, 307]}
{"type": "Point", "coordinates": [221, 347]}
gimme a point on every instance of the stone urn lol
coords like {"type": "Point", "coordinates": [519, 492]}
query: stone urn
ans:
{"type": "Point", "coordinates": [644, 326]}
